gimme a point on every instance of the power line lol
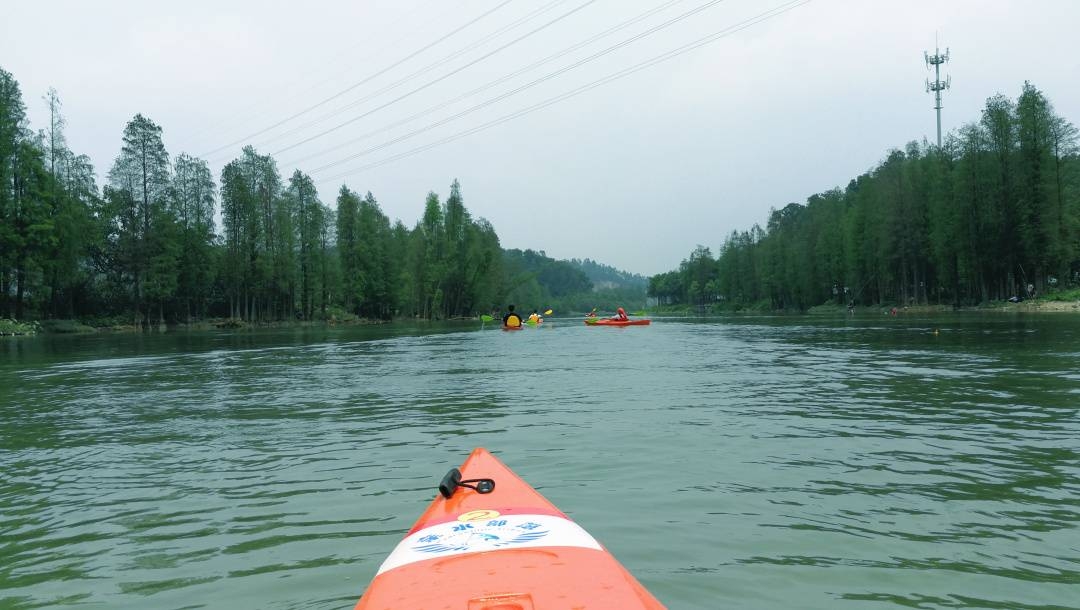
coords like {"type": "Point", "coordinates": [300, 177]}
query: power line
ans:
{"type": "Point", "coordinates": [363, 81]}
{"type": "Point", "coordinates": [429, 67]}
{"type": "Point", "coordinates": [761, 17]}
{"type": "Point", "coordinates": [497, 81]}
{"type": "Point", "coordinates": [529, 85]}
{"type": "Point", "coordinates": [382, 48]}
{"type": "Point", "coordinates": [435, 81]}
{"type": "Point", "coordinates": [424, 70]}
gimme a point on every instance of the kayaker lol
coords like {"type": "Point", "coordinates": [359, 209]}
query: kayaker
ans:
{"type": "Point", "coordinates": [511, 319]}
{"type": "Point", "coordinates": [620, 315]}
{"type": "Point", "coordinates": [534, 318]}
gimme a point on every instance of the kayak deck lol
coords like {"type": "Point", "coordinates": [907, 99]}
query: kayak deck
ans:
{"type": "Point", "coordinates": [507, 549]}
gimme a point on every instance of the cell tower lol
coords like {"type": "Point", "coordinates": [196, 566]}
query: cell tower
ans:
{"type": "Point", "coordinates": [937, 85]}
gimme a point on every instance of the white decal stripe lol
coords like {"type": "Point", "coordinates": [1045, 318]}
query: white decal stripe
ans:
{"type": "Point", "coordinates": [499, 533]}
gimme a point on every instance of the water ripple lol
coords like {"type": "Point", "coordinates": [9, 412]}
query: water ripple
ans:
{"type": "Point", "coordinates": [750, 462]}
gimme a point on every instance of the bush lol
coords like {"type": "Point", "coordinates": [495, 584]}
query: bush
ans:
{"type": "Point", "coordinates": [106, 321]}
{"type": "Point", "coordinates": [1064, 295]}
{"type": "Point", "coordinates": [66, 327]}
{"type": "Point", "coordinates": [335, 313]}
{"type": "Point", "coordinates": [11, 326]}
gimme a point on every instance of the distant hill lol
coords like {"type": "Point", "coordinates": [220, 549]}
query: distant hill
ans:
{"type": "Point", "coordinates": [574, 286]}
{"type": "Point", "coordinates": [608, 277]}
{"type": "Point", "coordinates": [554, 278]}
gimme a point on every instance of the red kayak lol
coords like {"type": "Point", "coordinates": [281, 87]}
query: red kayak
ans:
{"type": "Point", "coordinates": [610, 322]}
{"type": "Point", "coordinates": [522, 327]}
{"type": "Point", "coordinates": [489, 541]}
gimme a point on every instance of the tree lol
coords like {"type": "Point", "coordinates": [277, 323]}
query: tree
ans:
{"type": "Point", "coordinates": [235, 216]}
{"type": "Point", "coordinates": [424, 260]}
{"type": "Point", "coordinates": [308, 218]}
{"type": "Point", "coordinates": [192, 204]}
{"type": "Point", "coordinates": [348, 204]}
{"type": "Point", "coordinates": [71, 197]}
{"type": "Point", "coordinates": [483, 267]}
{"type": "Point", "coordinates": [258, 222]}
{"type": "Point", "coordinates": [13, 133]}
{"type": "Point", "coordinates": [1063, 143]}
{"type": "Point", "coordinates": [139, 181]}
{"type": "Point", "coordinates": [372, 264]}
{"type": "Point", "coordinates": [456, 223]}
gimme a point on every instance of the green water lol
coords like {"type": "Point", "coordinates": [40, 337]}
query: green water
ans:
{"type": "Point", "coordinates": [740, 463]}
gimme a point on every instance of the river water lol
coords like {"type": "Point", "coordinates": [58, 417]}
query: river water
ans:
{"type": "Point", "coordinates": [735, 463]}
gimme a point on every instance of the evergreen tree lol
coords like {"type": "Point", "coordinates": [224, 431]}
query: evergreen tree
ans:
{"type": "Point", "coordinates": [139, 182]}
{"type": "Point", "coordinates": [192, 204]}
{"type": "Point", "coordinates": [348, 204]}
{"type": "Point", "coordinates": [71, 199]}
{"type": "Point", "coordinates": [373, 269]}
{"type": "Point", "coordinates": [259, 232]}
{"type": "Point", "coordinates": [13, 134]}
{"type": "Point", "coordinates": [309, 217]}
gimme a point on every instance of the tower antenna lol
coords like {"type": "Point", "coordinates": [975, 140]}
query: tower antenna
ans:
{"type": "Point", "coordinates": [937, 85]}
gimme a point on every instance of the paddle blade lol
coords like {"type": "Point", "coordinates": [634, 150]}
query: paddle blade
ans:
{"type": "Point", "coordinates": [547, 313]}
{"type": "Point", "coordinates": [486, 318]}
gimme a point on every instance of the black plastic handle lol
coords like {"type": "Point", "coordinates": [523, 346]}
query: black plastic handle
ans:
{"type": "Point", "coordinates": [452, 481]}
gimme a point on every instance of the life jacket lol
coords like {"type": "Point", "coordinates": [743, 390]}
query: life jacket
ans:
{"type": "Point", "coordinates": [513, 321]}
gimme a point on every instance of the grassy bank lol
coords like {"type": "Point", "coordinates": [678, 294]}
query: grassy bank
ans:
{"type": "Point", "coordinates": [66, 327]}
{"type": "Point", "coordinates": [1072, 296]}
{"type": "Point", "coordinates": [1032, 305]}
{"type": "Point", "coordinates": [10, 327]}
{"type": "Point", "coordinates": [1057, 302]}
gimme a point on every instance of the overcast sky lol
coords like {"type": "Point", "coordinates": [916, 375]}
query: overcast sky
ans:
{"type": "Point", "coordinates": [633, 173]}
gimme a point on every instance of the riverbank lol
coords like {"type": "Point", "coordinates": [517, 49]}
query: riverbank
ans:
{"type": "Point", "coordinates": [14, 328]}
{"type": "Point", "coordinates": [1042, 305]}
{"type": "Point", "coordinates": [1030, 306]}
{"type": "Point", "coordinates": [10, 327]}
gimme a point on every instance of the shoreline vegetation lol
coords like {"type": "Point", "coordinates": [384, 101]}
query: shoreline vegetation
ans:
{"type": "Point", "coordinates": [146, 251]}
{"type": "Point", "coordinates": [1056, 302]}
{"type": "Point", "coordinates": [991, 215]}
{"type": "Point", "coordinates": [862, 311]}
{"type": "Point", "coordinates": [994, 214]}
{"type": "Point", "coordinates": [13, 328]}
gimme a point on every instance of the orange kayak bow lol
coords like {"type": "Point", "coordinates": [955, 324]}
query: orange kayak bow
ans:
{"type": "Point", "coordinates": [489, 541]}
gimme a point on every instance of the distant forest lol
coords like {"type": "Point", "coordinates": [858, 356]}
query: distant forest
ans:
{"type": "Point", "coordinates": [994, 213]}
{"type": "Point", "coordinates": [144, 250]}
